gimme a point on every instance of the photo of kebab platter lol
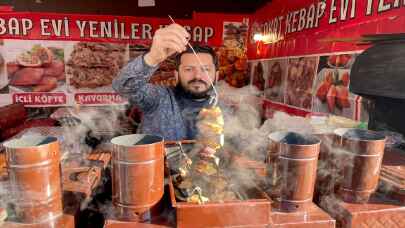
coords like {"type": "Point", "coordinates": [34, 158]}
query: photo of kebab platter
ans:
{"type": "Point", "coordinates": [300, 78]}
{"type": "Point", "coordinates": [39, 69]}
{"type": "Point", "coordinates": [275, 80]}
{"type": "Point", "coordinates": [231, 55]}
{"type": "Point", "coordinates": [331, 89]}
{"type": "Point", "coordinates": [92, 66]}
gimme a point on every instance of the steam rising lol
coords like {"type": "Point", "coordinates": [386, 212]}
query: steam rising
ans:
{"type": "Point", "coordinates": [83, 128]}
{"type": "Point", "coordinates": [245, 135]}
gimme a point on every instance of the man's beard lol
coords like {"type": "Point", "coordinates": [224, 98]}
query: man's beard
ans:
{"type": "Point", "coordinates": [195, 95]}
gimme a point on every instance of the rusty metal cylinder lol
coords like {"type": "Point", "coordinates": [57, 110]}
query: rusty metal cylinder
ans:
{"type": "Point", "coordinates": [298, 164]}
{"type": "Point", "coordinates": [363, 152]}
{"type": "Point", "coordinates": [33, 164]}
{"type": "Point", "coordinates": [137, 175]}
{"type": "Point", "coordinates": [273, 162]}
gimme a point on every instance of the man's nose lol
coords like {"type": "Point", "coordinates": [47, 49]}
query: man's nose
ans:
{"type": "Point", "coordinates": [199, 74]}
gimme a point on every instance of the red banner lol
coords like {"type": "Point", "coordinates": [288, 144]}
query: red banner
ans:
{"type": "Point", "coordinates": [301, 52]}
{"type": "Point", "coordinates": [204, 27]}
{"type": "Point", "coordinates": [42, 99]}
{"type": "Point", "coordinates": [98, 98]}
{"type": "Point", "coordinates": [313, 27]}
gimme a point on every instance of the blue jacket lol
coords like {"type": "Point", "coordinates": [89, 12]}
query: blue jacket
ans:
{"type": "Point", "coordinates": [167, 112]}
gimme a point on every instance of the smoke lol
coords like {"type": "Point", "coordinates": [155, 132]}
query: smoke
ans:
{"type": "Point", "coordinates": [92, 130]}
{"type": "Point", "coordinates": [246, 182]}
{"type": "Point", "coordinates": [243, 133]}
{"type": "Point", "coordinates": [333, 160]}
{"type": "Point", "coordinates": [330, 204]}
{"type": "Point", "coordinates": [284, 122]}
{"type": "Point", "coordinates": [339, 164]}
{"type": "Point", "coordinates": [243, 137]}
{"type": "Point", "coordinates": [5, 196]}
{"type": "Point", "coordinates": [243, 119]}
{"type": "Point", "coordinates": [83, 128]}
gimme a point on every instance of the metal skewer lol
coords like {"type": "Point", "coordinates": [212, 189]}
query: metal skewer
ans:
{"type": "Point", "coordinates": [185, 156]}
{"type": "Point", "coordinates": [199, 193]}
{"type": "Point", "coordinates": [215, 100]}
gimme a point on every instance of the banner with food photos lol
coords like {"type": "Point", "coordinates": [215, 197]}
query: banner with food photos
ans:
{"type": "Point", "coordinates": [308, 84]}
{"type": "Point", "coordinates": [333, 31]}
{"type": "Point", "coordinates": [286, 81]}
{"type": "Point", "coordinates": [63, 59]}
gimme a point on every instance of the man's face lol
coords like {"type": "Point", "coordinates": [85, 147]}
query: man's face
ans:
{"type": "Point", "coordinates": [195, 78]}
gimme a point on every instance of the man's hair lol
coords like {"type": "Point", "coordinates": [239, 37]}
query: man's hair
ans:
{"type": "Point", "coordinates": [198, 49]}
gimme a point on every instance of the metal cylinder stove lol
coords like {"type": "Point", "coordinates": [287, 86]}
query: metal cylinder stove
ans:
{"type": "Point", "coordinates": [137, 175]}
{"type": "Point", "coordinates": [298, 157]}
{"type": "Point", "coordinates": [273, 163]}
{"type": "Point", "coordinates": [361, 163]}
{"type": "Point", "coordinates": [33, 163]}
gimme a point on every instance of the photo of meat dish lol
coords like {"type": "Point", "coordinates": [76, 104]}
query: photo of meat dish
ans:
{"type": "Point", "coordinates": [301, 74]}
{"type": "Point", "coordinates": [235, 34]}
{"type": "Point", "coordinates": [233, 66]}
{"type": "Point", "coordinates": [39, 69]}
{"type": "Point", "coordinates": [275, 80]}
{"type": "Point", "coordinates": [258, 76]}
{"type": "Point", "coordinates": [331, 88]}
{"type": "Point", "coordinates": [93, 65]}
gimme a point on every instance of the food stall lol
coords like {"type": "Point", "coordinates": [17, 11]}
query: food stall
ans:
{"type": "Point", "coordinates": [312, 135]}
